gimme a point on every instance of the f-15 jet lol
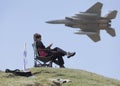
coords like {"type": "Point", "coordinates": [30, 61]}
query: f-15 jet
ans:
{"type": "Point", "coordinates": [90, 22]}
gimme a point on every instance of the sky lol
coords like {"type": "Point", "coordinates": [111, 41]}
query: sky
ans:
{"type": "Point", "coordinates": [20, 19]}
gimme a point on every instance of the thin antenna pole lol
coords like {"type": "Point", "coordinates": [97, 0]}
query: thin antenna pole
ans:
{"type": "Point", "coordinates": [25, 56]}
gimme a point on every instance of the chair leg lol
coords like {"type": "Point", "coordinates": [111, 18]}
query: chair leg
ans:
{"type": "Point", "coordinates": [50, 64]}
{"type": "Point", "coordinates": [38, 63]}
{"type": "Point", "coordinates": [35, 63]}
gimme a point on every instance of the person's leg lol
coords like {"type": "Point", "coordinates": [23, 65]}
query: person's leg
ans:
{"type": "Point", "coordinates": [62, 52]}
{"type": "Point", "coordinates": [57, 56]}
{"type": "Point", "coordinates": [61, 62]}
{"type": "Point", "coordinates": [58, 59]}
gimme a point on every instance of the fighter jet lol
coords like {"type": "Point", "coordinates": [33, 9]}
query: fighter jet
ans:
{"type": "Point", "coordinates": [90, 22]}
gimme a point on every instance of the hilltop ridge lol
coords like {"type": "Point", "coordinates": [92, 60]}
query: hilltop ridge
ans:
{"type": "Point", "coordinates": [43, 76]}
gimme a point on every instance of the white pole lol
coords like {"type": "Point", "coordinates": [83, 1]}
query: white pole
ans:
{"type": "Point", "coordinates": [25, 56]}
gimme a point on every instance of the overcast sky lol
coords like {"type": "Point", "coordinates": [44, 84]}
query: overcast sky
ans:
{"type": "Point", "coordinates": [20, 19]}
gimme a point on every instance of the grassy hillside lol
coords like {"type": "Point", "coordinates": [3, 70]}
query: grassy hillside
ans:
{"type": "Point", "coordinates": [43, 76]}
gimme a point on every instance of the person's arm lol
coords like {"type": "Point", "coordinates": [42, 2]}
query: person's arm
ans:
{"type": "Point", "coordinates": [41, 46]}
{"type": "Point", "coordinates": [50, 46]}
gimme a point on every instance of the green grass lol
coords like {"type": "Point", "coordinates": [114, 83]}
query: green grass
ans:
{"type": "Point", "coordinates": [42, 76]}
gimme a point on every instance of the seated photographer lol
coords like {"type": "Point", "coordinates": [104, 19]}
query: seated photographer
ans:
{"type": "Point", "coordinates": [57, 52]}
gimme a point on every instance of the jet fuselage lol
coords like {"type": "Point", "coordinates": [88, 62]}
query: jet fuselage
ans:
{"type": "Point", "coordinates": [101, 23]}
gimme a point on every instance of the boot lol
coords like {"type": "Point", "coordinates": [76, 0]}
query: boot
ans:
{"type": "Point", "coordinates": [69, 54]}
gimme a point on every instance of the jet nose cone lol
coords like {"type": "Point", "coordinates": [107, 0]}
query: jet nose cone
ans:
{"type": "Point", "coordinates": [61, 21]}
{"type": "Point", "coordinates": [51, 22]}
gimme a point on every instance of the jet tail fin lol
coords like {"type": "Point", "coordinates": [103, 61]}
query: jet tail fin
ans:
{"type": "Point", "coordinates": [111, 15]}
{"type": "Point", "coordinates": [111, 32]}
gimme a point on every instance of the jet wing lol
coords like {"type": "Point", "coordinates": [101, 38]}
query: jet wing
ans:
{"type": "Point", "coordinates": [96, 8]}
{"type": "Point", "coordinates": [94, 37]}
{"type": "Point", "coordinates": [91, 33]}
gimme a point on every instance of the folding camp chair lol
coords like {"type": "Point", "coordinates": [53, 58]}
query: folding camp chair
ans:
{"type": "Point", "coordinates": [40, 61]}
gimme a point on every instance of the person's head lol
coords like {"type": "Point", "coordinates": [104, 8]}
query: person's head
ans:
{"type": "Point", "coordinates": [36, 36]}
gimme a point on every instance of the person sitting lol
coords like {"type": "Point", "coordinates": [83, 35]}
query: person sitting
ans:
{"type": "Point", "coordinates": [57, 52]}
